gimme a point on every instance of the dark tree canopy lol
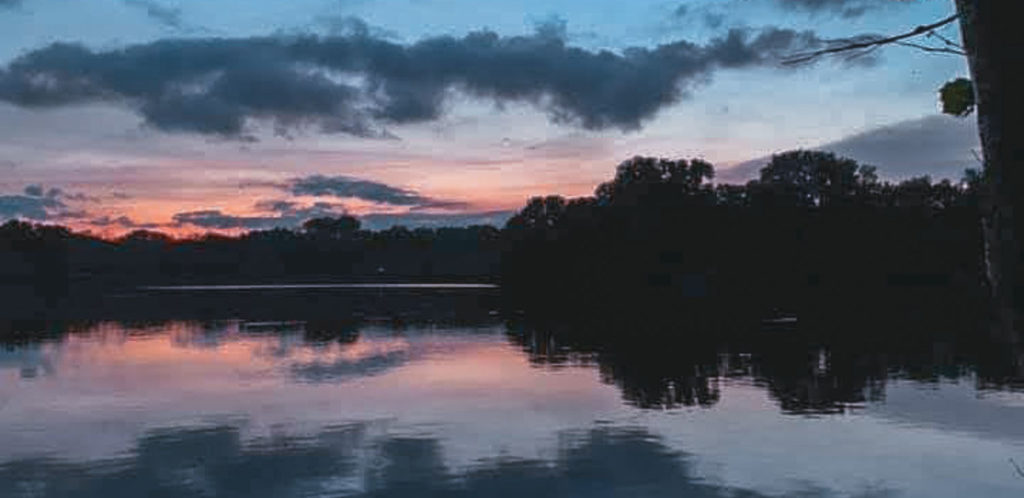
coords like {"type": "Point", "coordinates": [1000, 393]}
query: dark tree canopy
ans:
{"type": "Point", "coordinates": [814, 178]}
{"type": "Point", "coordinates": [642, 176]}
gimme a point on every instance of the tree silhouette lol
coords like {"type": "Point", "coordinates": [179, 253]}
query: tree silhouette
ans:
{"type": "Point", "coordinates": [642, 177]}
{"type": "Point", "coordinates": [814, 228]}
{"type": "Point", "coordinates": [814, 178]}
{"type": "Point", "coordinates": [993, 44]}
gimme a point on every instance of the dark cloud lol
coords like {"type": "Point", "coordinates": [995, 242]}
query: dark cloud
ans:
{"type": "Point", "coordinates": [714, 20]}
{"type": "Point", "coordinates": [553, 28]}
{"type": "Point", "coordinates": [167, 16]}
{"type": "Point", "coordinates": [120, 221]}
{"type": "Point", "coordinates": [278, 206]}
{"type": "Point", "coordinates": [39, 203]}
{"type": "Point", "coordinates": [358, 83]}
{"type": "Point", "coordinates": [215, 219]}
{"type": "Point", "coordinates": [292, 210]}
{"type": "Point", "coordinates": [845, 8]}
{"type": "Point", "coordinates": [54, 193]}
{"type": "Point", "coordinates": [35, 207]}
{"type": "Point", "coordinates": [9, 4]}
{"type": "Point", "coordinates": [345, 369]}
{"type": "Point", "coordinates": [34, 191]}
{"type": "Point", "coordinates": [290, 214]}
{"type": "Point", "coordinates": [223, 461]}
{"type": "Point", "coordinates": [286, 214]}
{"type": "Point", "coordinates": [343, 186]}
{"type": "Point", "coordinates": [938, 146]}
{"type": "Point", "coordinates": [684, 17]}
{"type": "Point", "coordinates": [351, 26]}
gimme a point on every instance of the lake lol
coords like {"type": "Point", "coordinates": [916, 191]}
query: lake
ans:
{"type": "Point", "coordinates": [472, 404]}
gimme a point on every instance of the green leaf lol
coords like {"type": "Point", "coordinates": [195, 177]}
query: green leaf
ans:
{"type": "Point", "coordinates": [957, 97]}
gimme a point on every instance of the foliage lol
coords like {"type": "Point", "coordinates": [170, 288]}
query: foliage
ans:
{"type": "Point", "coordinates": [810, 215]}
{"type": "Point", "coordinates": [326, 248]}
{"type": "Point", "coordinates": [957, 97]}
{"type": "Point", "coordinates": [811, 222]}
{"type": "Point", "coordinates": [812, 178]}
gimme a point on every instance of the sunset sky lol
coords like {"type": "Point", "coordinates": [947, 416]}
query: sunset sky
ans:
{"type": "Point", "coordinates": [188, 116]}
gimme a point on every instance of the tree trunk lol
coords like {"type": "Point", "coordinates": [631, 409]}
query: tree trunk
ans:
{"type": "Point", "coordinates": [994, 41]}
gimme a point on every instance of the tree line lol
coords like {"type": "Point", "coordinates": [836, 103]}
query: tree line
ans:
{"type": "Point", "coordinates": [814, 231]}
{"type": "Point", "coordinates": [53, 257]}
{"type": "Point", "coordinates": [812, 228]}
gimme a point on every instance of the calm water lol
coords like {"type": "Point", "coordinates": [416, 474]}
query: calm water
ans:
{"type": "Point", "coordinates": [385, 286]}
{"type": "Point", "coordinates": [314, 408]}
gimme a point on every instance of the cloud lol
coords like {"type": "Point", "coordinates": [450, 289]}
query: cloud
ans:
{"type": "Point", "coordinates": [33, 207]}
{"type": "Point", "coordinates": [224, 460]}
{"type": "Point", "coordinates": [285, 214]}
{"type": "Point", "coordinates": [714, 20]}
{"type": "Point", "coordinates": [354, 188]}
{"type": "Point", "coordinates": [9, 4]}
{"type": "Point", "coordinates": [215, 219]}
{"type": "Point", "coordinates": [359, 83]}
{"type": "Point", "coordinates": [350, 26]}
{"type": "Point", "coordinates": [682, 13]}
{"type": "Point", "coordinates": [55, 193]}
{"type": "Point", "coordinates": [167, 16]}
{"type": "Point", "coordinates": [290, 214]}
{"type": "Point", "coordinates": [293, 210]}
{"type": "Point", "coordinates": [34, 191]}
{"type": "Point", "coordinates": [343, 186]}
{"type": "Point", "coordinates": [39, 203]}
{"type": "Point", "coordinates": [845, 8]}
{"type": "Point", "coordinates": [938, 146]}
{"type": "Point", "coordinates": [345, 369]}
{"type": "Point", "coordinates": [742, 172]}
{"type": "Point", "coordinates": [120, 221]}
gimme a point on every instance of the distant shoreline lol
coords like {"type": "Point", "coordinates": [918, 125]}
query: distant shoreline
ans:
{"type": "Point", "coordinates": [407, 285]}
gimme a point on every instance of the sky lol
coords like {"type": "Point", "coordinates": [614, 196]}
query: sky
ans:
{"type": "Point", "coordinates": [187, 116]}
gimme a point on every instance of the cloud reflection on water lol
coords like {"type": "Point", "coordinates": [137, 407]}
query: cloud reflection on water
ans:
{"type": "Point", "coordinates": [341, 408]}
{"type": "Point", "coordinates": [349, 461]}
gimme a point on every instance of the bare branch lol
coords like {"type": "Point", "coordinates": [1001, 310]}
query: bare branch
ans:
{"type": "Point", "coordinates": [861, 53]}
{"type": "Point", "coordinates": [926, 48]}
{"type": "Point", "coordinates": [918, 31]}
{"type": "Point", "coordinates": [945, 40]}
{"type": "Point", "coordinates": [1016, 467]}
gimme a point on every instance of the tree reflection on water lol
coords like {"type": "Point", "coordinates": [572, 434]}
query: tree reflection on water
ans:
{"type": "Point", "coordinates": [803, 374]}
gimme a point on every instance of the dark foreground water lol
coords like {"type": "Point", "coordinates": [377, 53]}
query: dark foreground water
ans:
{"type": "Point", "coordinates": [371, 407]}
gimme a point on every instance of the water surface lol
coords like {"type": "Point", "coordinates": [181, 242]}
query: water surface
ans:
{"type": "Point", "coordinates": [424, 286]}
{"type": "Point", "coordinates": [318, 408]}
